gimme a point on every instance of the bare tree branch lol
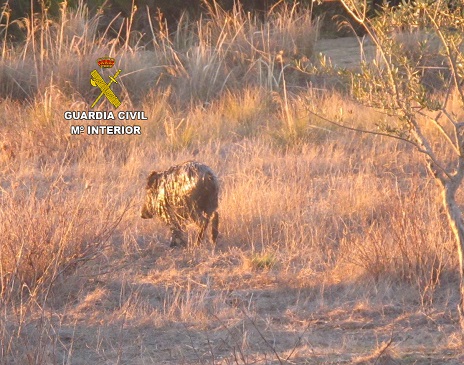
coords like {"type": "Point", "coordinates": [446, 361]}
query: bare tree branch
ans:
{"type": "Point", "coordinates": [416, 145]}
{"type": "Point", "coordinates": [442, 131]}
{"type": "Point", "coordinates": [449, 52]}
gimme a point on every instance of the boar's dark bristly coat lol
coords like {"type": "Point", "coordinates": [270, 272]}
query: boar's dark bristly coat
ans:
{"type": "Point", "coordinates": [182, 194]}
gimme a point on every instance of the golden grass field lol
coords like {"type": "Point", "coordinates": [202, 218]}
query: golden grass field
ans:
{"type": "Point", "coordinates": [333, 248]}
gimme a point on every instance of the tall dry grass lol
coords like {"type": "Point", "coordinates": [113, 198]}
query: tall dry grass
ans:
{"type": "Point", "coordinates": [198, 61]}
{"type": "Point", "coordinates": [312, 217]}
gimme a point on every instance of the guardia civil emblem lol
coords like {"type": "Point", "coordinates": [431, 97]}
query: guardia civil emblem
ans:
{"type": "Point", "coordinates": [97, 80]}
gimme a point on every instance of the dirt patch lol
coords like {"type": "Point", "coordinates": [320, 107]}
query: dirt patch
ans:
{"type": "Point", "coordinates": [160, 312]}
{"type": "Point", "coordinates": [346, 52]}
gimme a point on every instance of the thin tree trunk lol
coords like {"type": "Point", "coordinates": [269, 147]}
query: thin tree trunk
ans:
{"type": "Point", "coordinates": [457, 225]}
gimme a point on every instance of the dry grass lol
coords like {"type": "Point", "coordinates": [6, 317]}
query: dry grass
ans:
{"type": "Point", "coordinates": [333, 248]}
{"type": "Point", "coordinates": [199, 61]}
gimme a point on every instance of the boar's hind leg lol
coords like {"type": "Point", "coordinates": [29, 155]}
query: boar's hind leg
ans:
{"type": "Point", "coordinates": [214, 227]}
{"type": "Point", "coordinates": [203, 225]}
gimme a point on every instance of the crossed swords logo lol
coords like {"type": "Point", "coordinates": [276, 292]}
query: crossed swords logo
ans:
{"type": "Point", "coordinates": [97, 80]}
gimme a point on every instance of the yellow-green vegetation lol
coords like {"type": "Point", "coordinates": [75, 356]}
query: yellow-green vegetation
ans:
{"type": "Point", "coordinates": [333, 245]}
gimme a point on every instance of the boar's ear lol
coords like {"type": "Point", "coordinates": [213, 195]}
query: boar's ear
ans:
{"type": "Point", "coordinates": [152, 180]}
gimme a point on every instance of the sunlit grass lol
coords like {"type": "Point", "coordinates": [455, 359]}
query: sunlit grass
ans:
{"type": "Point", "coordinates": [321, 228]}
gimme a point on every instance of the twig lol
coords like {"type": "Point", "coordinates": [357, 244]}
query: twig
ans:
{"type": "Point", "coordinates": [442, 130]}
{"type": "Point", "coordinates": [240, 351]}
{"type": "Point", "coordinates": [262, 336]}
{"type": "Point", "coordinates": [417, 146]}
{"type": "Point", "coordinates": [364, 130]}
{"type": "Point", "coordinates": [192, 345]}
{"type": "Point", "coordinates": [384, 348]}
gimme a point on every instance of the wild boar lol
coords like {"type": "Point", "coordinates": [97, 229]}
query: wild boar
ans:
{"type": "Point", "coordinates": [183, 194]}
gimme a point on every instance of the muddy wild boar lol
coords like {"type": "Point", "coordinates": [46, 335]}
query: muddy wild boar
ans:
{"type": "Point", "coordinates": [183, 194]}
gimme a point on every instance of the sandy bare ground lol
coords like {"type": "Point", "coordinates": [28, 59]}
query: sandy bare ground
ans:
{"type": "Point", "coordinates": [178, 307]}
{"type": "Point", "coordinates": [347, 51]}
